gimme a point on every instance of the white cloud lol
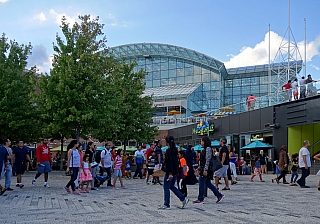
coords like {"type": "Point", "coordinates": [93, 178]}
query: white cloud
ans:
{"type": "Point", "coordinates": [3, 1]}
{"type": "Point", "coordinates": [70, 19]}
{"type": "Point", "coordinates": [114, 21]}
{"type": "Point", "coordinates": [259, 54]}
{"type": "Point", "coordinates": [315, 67]}
{"type": "Point", "coordinates": [41, 17]}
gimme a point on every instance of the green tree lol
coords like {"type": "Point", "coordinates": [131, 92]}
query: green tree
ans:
{"type": "Point", "coordinates": [19, 115]}
{"type": "Point", "coordinates": [77, 95]}
{"type": "Point", "coordinates": [134, 111]}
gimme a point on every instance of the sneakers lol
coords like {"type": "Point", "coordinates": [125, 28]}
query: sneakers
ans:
{"type": "Point", "coordinates": [46, 185]}
{"type": "Point", "coordinates": [87, 190]}
{"type": "Point", "coordinates": [226, 189]}
{"type": "Point", "coordinates": [20, 185]}
{"type": "Point", "coordinates": [33, 182]}
{"type": "Point", "coordinates": [124, 187]}
{"type": "Point", "coordinates": [9, 189]}
{"type": "Point", "coordinates": [67, 189]}
{"type": "Point", "coordinates": [185, 202]}
{"type": "Point", "coordinates": [82, 191]}
{"type": "Point", "coordinates": [197, 202]}
{"type": "Point", "coordinates": [220, 199]}
{"type": "Point", "coordinates": [163, 207]}
{"type": "Point", "coordinates": [76, 192]}
{"type": "Point", "coordinates": [94, 189]}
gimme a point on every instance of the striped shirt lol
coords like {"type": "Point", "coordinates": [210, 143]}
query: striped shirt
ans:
{"type": "Point", "coordinates": [118, 163]}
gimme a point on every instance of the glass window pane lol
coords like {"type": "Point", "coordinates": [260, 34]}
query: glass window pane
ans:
{"type": "Point", "coordinates": [180, 72]}
{"type": "Point", "coordinates": [180, 80]}
{"type": "Point", "coordinates": [189, 79]}
{"type": "Point", "coordinates": [172, 73]}
{"type": "Point", "coordinates": [172, 63]}
{"type": "Point", "coordinates": [164, 74]}
{"type": "Point", "coordinates": [156, 83]}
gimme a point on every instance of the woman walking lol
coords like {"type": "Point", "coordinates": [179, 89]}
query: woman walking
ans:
{"type": "Point", "coordinates": [191, 177]}
{"type": "Point", "coordinates": [233, 159]}
{"type": "Point", "coordinates": [171, 174]}
{"type": "Point", "coordinates": [205, 172]}
{"type": "Point", "coordinates": [283, 164]}
{"type": "Point", "coordinates": [73, 165]}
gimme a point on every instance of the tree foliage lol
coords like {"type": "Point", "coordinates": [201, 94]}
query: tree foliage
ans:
{"type": "Point", "coordinates": [89, 89]}
{"type": "Point", "coordinates": [19, 114]}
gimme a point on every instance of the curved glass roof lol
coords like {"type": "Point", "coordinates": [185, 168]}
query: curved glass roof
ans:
{"type": "Point", "coordinates": [263, 68]}
{"type": "Point", "coordinates": [147, 50]}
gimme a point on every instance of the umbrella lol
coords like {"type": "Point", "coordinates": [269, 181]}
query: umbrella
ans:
{"type": "Point", "coordinates": [215, 143]}
{"type": "Point", "coordinates": [164, 148]}
{"type": "Point", "coordinates": [227, 108]}
{"type": "Point", "coordinates": [173, 112]}
{"type": "Point", "coordinates": [198, 111]}
{"type": "Point", "coordinates": [218, 115]}
{"type": "Point", "coordinates": [58, 149]}
{"type": "Point", "coordinates": [198, 147]}
{"type": "Point", "coordinates": [101, 148]}
{"type": "Point", "coordinates": [257, 145]}
{"type": "Point", "coordinates": [200, 115]}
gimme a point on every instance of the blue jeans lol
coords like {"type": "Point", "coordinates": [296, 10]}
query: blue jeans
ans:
{"type": "Point", "coordinates": [305, 173]}
{"type": "Point", "coordinates": [294, 176]}
{"type": "Point", "coordinates": [8, 175]}
{"type": "Point", "coordinates": [169, 185]}
{"type": "Point", "coordinates": [205, 182]}
{"type": "Point", "coordinates": [93, 174]}
{"type": "Point", "coordinates": [138, 170]}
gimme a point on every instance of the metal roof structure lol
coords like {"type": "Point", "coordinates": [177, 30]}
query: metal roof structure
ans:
{"type": "Point", "coordinates": [149, 50]}
{"type": "Point", "coordinates": [167, 91]}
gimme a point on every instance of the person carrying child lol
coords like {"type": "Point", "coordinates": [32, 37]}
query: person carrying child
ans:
{"type": "Point", "coordinates": [257, 169]}
{"type": "Point", "coordinates": [184, 169]}
{"type": "Point", "coordinates": [85, 175]}
{"type": "Point", "coordinates": [117, 169]}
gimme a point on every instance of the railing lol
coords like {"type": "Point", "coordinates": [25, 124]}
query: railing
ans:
{"type": "Point", "coordinates": [281, 96]}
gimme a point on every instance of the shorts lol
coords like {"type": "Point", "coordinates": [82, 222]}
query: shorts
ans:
{"type": "Point", "coordinates": [150, 171]}
{"type": "Point", "coordinates": [128, 171]}
{"type": "Point", "coordinates": [117, 173]}
{"type": "Point", "coordinates": [222, 172]}
{"type": "Point", "coordinates": [20, 168]}
{"type": "Point", "coordinates": [44, 167]}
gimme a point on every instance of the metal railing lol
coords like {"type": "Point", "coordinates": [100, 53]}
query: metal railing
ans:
{"type": "Point", "coordinates": [281, 96]}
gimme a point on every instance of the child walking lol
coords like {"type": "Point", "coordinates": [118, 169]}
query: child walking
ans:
{"type": "Point", "coordinates": [294, 170]}
{"type": "Point", "coordinates": [117, 169]}
{"type": "Point", "coordinates": [85, 175]}
{"type": "Point", "coordinates": [128, 168]}
{"type": "Point", "coordinates": [257, 169]}
{"type": "Point", "coordinates": [184, 169]}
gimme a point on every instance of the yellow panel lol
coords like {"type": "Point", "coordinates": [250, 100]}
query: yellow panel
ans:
{"type": "Point", "coordinates": [307, 133]}
{"type": "Point", "coordinates": [294, 139]}
{"type": "Point", "coordinates": [316, 137]}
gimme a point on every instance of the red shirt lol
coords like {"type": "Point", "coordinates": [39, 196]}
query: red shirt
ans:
{"type": "Point", "coordinates": [43, 153]}
{"type": "Point", "coordinates": [113, 154]}
{"type": "Point", "coordinates": [148, 153]}
{"type": "Point", "coordinates": [287, 86]}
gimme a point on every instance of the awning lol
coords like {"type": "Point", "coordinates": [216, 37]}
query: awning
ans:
{"type": "Point", "coordinates": [257, 145]}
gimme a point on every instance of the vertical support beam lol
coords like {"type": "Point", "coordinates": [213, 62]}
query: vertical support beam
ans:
{"type": "Point", "coordinates": [305, 48]}
{"type": "Point", "coordinates": [269, 72]}
{"type": "Point", "coordinates": [289, 33]}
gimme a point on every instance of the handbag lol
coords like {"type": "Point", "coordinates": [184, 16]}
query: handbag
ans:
{"type": "Point", "coordinates": [215, 163]}
{"type": "Point", "coordinates": [158, 173]}
{"type": "Point", "coordinates": [94, 164]}
{"type": "Point", "coordinates": [70, 172]}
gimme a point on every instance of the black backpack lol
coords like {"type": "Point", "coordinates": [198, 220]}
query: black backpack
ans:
{"type": "Point", "coordinates": [215, 163]}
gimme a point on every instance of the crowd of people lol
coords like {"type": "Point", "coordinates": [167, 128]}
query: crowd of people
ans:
{"type": "Point", "coordinates": [177, 167]}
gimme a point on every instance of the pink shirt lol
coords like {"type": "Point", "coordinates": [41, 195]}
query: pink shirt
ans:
{"type": "Point", "coordinates": [118, 163]}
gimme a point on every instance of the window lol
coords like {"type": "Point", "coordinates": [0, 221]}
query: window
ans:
{"type": "Point", "coordinates": [164, 74]}
{"type": "Point", "coordinates": [172, 73]}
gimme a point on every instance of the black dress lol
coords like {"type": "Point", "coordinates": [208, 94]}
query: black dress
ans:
{"type": "Point", "coordinates": [191, 178]}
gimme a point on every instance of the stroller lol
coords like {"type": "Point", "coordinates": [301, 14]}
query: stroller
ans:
{"type": "Point", "coordinates": [99, 180]}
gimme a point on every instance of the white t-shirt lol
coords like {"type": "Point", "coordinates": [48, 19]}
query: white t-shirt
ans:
{"type": "Point", "coordinates": [106, 156]}
{"type": "Point", "coordinates": [139, 156]}
{"type": "Point", "coordinates": [304, 152]}
{"type": "Point", "coordinates": [294, 85]}
{"type": "Point", "coordinates": [302, 82]}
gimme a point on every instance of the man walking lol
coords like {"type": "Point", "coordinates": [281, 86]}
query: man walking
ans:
{"type": "Point", "coordinates": [106, 163]}
{"type": "Point", "coordinates": [304, 164]}
{"type": "Point", "coordinates": [8, 172]}
{"type": "Point", "coordinates": [224, 158]}
{"type": "Point", "coordinates": [20, 155]}
{"type": "Point", "coordinates": [3, 163]}
{"type": "Point", "coordinates": [44, 162]}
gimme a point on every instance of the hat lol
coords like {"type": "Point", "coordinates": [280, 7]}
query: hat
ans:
{"type": "Point", "coordinates": [144, 146]}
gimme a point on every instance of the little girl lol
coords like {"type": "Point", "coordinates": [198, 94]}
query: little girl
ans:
{"type": "Point", "coordinates": [85, 175]}
{"type": "Point", "coordinates": [117, 169]}
{"type": "Point", "coordinates": [257, 169]}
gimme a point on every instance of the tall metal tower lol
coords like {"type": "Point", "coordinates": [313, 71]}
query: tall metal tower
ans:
{"type": "Point", "coordinates": [285, 65]}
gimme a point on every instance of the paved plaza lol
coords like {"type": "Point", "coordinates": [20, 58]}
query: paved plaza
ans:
{"type": "Point", "coordinates": [246, 202]}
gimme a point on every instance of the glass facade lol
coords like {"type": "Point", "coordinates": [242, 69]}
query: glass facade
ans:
{"type": "Point", "coordinates": [181, 69]}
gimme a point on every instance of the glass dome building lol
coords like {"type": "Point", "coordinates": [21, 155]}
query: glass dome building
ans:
{"type": "Point", "coordinates": [178, 78]}
{"type": "Point", "coordinates": [191, 82]}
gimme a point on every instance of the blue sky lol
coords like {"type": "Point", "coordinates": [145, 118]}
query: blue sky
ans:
{"type": "Point", "coordinates": [231, 31]}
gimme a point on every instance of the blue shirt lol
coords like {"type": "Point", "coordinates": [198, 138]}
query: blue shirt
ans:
{"type": "Point", "coordinates": [3, 157]}
{"type": "Point", "coordinates": [257, 164]}
{"type": "Point", "coordinates": [158, 151]}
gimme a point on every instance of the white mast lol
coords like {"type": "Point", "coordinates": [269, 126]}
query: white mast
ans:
{"type": "Point", "coordinates": [289, 33]}
{"type": "Point", "coordinates": [305, 48]}
{"type": "Point", "coordinates": [269, 72]}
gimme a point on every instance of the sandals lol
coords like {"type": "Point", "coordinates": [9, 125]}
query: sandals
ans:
{"type": "Point", "coordinates": [2, 190]}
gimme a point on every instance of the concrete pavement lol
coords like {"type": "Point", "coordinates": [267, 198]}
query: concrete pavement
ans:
{"type": "Point", "coordinates": [246, 202]}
